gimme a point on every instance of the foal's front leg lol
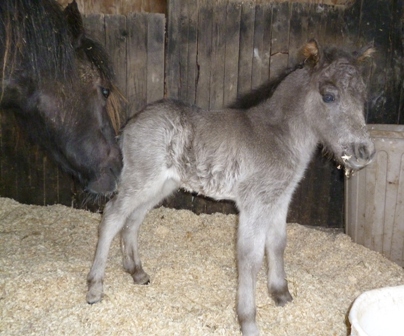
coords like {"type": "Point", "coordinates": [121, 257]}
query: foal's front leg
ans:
{"type": "Point", "coordinates": [250, 253]}
{"type": "Point", "coordinates": [259, 230]}
{"type": "Point", "coordinates": [275, 248]}
{"type": "Point", "coordinates": [112, 222]}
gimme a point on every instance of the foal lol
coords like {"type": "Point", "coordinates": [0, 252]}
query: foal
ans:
{"type": "Point", "coordinates": [255, 157]}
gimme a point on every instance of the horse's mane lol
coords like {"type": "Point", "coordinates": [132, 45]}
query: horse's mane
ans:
{"type": "Point", "coordinates": [36, 33]}
{"type": "Point", "coordinates": [35, 38]}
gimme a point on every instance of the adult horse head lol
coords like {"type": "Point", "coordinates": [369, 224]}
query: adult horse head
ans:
{"type": "Point", "coordinates": [59, 85]}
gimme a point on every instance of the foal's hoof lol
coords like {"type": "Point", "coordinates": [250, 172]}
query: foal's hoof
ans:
{"type": "Point", "coordinates": [93, 298]}
{"type": "Point", "coordinates": [141, 278]}
{"type": "Point", "coordinates": [94, 294]}
{"type": "Point", "coordinates": [281, 298]}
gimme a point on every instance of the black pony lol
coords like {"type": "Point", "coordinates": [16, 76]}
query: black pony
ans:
{"type": "Point", "coordinates": [58, 84]}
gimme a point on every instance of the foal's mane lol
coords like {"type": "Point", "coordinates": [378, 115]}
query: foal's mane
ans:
{"type": "Point", "coordinates": [267, 89]}
{"type": "Point", "coordinates": [262, 92]}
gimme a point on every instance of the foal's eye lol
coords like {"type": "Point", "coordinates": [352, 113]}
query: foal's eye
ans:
{"type": "Point", "coordinates": [105, 92]}
{"type": "Point", "coordinates": [328, 98]}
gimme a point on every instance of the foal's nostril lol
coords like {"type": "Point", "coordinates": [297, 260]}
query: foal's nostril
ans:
{"type": "Point", "coordinates": [363, 152]}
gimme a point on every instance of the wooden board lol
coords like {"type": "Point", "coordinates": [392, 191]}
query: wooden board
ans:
{"type": "Point", "coordinates": [155, 57]}
{"type": "Point", "coordinates": [115, 43]}
{"type": "Point", "coordinates": [232, 33]}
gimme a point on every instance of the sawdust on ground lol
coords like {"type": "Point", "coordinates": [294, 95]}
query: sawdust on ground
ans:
{"type": "Point", "coordinates": [46, 252]}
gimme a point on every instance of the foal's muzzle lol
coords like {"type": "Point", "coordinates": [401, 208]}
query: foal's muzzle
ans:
{"type": "Point", "coordinates": [359, 155]}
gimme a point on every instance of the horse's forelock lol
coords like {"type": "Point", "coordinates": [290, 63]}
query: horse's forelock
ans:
{"type": "Point", "coordinates": [96, 54]}
{"type": "Point", "coordinates": [37, 33]}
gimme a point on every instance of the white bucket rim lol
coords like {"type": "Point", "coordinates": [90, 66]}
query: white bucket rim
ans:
{"type": "Point", "coordinates": [369, 297]}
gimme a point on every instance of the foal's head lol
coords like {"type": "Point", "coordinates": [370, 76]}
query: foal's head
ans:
{"type": "Point", "coordinates": [59, 85]}
{"type": "Point", "coordinates": [336, 103]}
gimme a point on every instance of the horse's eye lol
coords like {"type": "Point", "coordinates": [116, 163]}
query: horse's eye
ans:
{"type": "Point", "coordinates": [328, 98]}
{"type": "Point", "coordinates": [105, 92]}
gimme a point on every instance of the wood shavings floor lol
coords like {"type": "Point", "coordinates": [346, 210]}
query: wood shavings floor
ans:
{"type": "Point", "coordinates": [46, 252]}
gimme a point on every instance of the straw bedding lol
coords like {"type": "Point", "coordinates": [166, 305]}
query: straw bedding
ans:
{"type": "Point", "coordinates": [46, 252]}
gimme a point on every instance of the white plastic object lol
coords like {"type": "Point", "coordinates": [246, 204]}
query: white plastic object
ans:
{"type": "Point", "coordinates": [379, 312]}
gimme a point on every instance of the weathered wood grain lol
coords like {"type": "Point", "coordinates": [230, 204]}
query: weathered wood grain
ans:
{"type": "Point", "coordinates": [279, 39]}
{"type": "Point", "coordinates": [115, 43]}
{"type": "Point", "coordinates": [137, 61]}
{"type": "Point", "coordinates": [205, 23]}
{"type": "Point", "coordinates": [262, 45]}
{"type": "Point", "coordinates": [231, 71]}
{"type": "Point", "coordinates": [155, 57]}
{"type": "Point", "coordinates": [218, 56]}
{"type": "Point", "coordinates": [246, 48]}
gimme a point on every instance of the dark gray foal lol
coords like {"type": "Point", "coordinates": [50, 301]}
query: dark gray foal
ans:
{"type": "Point", "coordinates": [254, 156]}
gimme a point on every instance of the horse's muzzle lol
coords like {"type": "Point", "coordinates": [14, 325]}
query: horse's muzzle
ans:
{"type": "Point", "coordinates": [105, 182]}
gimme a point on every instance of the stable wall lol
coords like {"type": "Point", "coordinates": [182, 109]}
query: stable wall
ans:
{"type": "Point", "coordinates": [214, 51]}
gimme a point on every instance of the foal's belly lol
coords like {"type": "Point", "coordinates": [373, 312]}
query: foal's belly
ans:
{"type": "Point", "coordinates": [210, 191]}
{"type": "Point", "coordinates": [219, 185]}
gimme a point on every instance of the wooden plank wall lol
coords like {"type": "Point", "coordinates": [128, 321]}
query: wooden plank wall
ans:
{"type": "Point", "coordinates": [122, 7]}
{"type": "Point", "coordinates": [136, 45]}
{"type": "Point", "coordinates": [218, 50]}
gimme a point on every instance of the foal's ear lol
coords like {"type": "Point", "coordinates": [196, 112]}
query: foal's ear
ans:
{"type": "Point", "coordinates": [75, 23]}
{"type": "Point", "coordinates": [311, 52]}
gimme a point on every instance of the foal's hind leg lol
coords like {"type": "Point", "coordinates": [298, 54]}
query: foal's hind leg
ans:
{"type": "Point", "coordinates": [130, 233]}
{"type": "Point", "coordinates": [127, 208]}
{"type": "Point", "coordinates": [129, 246]}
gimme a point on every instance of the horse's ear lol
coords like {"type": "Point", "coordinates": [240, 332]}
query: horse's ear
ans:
{"type": "Point", "coordinates": [365, 53]}
{"type": "Point", "coordinates": [311, 52]}
{"type": "Point", "coordinates": [75, 23]}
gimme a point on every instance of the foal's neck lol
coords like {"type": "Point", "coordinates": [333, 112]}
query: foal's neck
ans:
{"type": "Point", "coordinates": [285, 112]}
